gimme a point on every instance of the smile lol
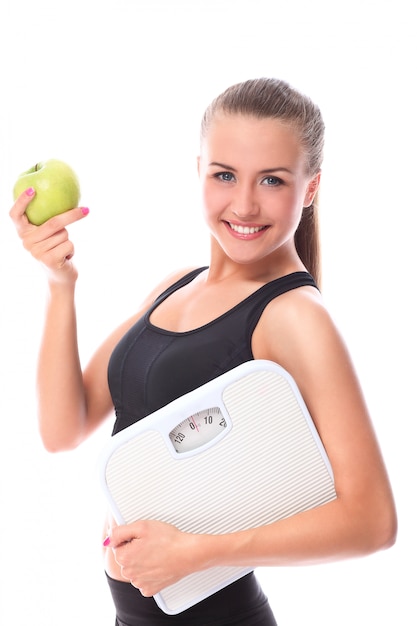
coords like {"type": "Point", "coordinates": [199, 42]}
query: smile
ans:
{"type": "Point", "coordinates": [246, 230]}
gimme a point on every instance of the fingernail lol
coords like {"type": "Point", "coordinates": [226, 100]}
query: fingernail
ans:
{"type": "Point", "coordinates": [30, 192]}
{"type": "Point", "coordinates": [84, 210]}
{"type": "Point", "coordinates": [106, 542]}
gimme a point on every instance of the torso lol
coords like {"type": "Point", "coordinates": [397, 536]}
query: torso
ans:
{"type": "Point", "coordinates": [197, 305]}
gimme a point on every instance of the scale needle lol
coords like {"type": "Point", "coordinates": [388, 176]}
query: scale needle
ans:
{"type": "Point", "coordinates": [195, 424]}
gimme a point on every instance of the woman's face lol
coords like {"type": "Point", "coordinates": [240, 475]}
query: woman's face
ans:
{"type": "Point", "coordinates": [254, 183]}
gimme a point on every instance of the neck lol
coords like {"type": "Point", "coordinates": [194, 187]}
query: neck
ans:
{"type": "Point", "coordinates": [281, 262]}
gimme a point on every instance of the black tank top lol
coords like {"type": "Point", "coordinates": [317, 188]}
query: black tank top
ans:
{"type": "Point", "coordinates": [151, 366]}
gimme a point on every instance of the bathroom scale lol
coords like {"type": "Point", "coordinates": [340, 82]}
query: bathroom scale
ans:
{"type": "Point", "coordinates": [239, 452]}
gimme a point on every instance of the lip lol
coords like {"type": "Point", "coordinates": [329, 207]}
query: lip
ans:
{"type": "Point", "coordinates": [246, 230]}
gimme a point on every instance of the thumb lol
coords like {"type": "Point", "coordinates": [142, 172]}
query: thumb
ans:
{"type": "Point", "coordinates": [119, 535]}
{"type": "Point", "coordinates": [17, 212]}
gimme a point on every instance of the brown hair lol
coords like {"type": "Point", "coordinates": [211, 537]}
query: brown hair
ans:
{"type": "Point", "coordinates": [276, 99]}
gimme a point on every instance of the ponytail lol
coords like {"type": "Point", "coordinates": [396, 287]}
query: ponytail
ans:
{"type": "Point", "coordinates": [307, 240]}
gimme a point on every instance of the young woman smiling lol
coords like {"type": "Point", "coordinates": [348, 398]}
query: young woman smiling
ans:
{"type": "Point", "coordinates": [258, 298]}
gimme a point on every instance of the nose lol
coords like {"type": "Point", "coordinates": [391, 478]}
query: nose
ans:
{"type": "Point", "coordinates": [245, 204]}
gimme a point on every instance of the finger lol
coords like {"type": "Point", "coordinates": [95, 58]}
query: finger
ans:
{"type": "Point", "coordinates": [145, 591]}
{"type": "Point", "coordinates": [120, 535]}
{"type": "Point", "coordinates": [40, 241]}
{"type": "Point", "coordinates": [17, 212]}
{"type": "Point", "coordinates": [57, 257]}
{"type": "Point", "coordinates": [58, 222]}
{"type": "Point", "coordinates": [61, 221]}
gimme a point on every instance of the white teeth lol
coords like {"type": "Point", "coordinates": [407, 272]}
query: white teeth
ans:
{"type": "Point", "coordinates": [246, 230]}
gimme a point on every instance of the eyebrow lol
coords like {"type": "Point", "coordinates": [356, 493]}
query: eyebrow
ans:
{"type": "Point", "coordinates": [270, 170]}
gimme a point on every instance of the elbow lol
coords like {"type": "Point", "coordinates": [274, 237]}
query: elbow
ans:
{"type": "Point", "coordinates": [57, 436]}
{"type": "Point", "coordinates": [54, 448]}
{"type": "Point", "coordinates": [380, 530]}
{"type": "Point", "coordinates": [54, 442]}
{"type": "Point", "coordinates": [387, 533]}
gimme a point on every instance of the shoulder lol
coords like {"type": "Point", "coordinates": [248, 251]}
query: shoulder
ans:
{"type": "Point", "coordinates": [109, 344]}
{"type": "Point", "coordinates": [297, 331]}
{"type": "Point", "coordinates": [147, 302]}
{"type": "Point", "coordinates": [295, 313]}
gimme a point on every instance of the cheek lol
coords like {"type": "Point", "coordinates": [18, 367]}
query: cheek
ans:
{"type": "Point", "coordinates": [287, 201]}
{"type": "Point", "coordinates": [206, 203]}
{"type": "Point", "coordinates": [298, 198]}
{"type": "Point", "coordinates": [289, 209]}
{"type": "Point", "coordinates": [296, 211]}
{"type": "Point", "coordinates": [212, 197]}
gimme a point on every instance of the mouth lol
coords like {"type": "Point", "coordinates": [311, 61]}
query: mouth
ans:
{"type": "Point", "coordinates": [246, 230]}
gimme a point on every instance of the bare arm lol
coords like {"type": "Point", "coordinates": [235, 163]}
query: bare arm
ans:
{"type": "Point", "coordinates": [61, 398]}
{"type": "Point", "coordinates": [71, 403]}
{"type": "Point", "coordinates": [298, 333]}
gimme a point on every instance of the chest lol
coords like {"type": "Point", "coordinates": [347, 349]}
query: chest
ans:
{"type": "Point", "coordinates": [196, 305]}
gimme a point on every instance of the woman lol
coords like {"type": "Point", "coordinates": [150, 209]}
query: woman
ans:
{"type": "Point", "coordinates": [260, 166]}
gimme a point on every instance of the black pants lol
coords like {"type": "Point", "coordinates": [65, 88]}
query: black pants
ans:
{"type": "Point", "coordinates": [242, 603]}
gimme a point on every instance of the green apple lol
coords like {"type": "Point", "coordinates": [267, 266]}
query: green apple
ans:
{"type": "Point", "coordinates": [57, 190]}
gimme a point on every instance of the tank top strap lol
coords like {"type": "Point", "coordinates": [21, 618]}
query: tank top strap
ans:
{"type": "Point", "coordinates": [184, 280]}
{"type": "Point", "coordinates": [289, 281]}
{"type": "Point", "coordinates": [257, 302]}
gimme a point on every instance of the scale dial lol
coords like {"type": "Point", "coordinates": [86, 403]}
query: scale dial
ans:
{"type": "Point", "coordinates": [199, 429]}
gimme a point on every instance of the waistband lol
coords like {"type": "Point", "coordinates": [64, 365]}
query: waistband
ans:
{"type": "Point", "coordinates": [242, 603]}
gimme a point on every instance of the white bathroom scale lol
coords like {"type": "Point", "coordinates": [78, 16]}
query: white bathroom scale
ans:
{"type": "Point", "coordinates": [238, 452]}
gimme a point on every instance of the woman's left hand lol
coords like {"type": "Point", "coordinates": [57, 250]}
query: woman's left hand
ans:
{"type": "Point", "coordinates": [152, 555]}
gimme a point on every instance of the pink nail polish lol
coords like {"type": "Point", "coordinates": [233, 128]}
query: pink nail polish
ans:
{"type": "Point", "coordinates": [85, 210]}
{"type": "Point", "coordinates": [30, 192]}
{"type": "Point", "coordinates": [106, 542]}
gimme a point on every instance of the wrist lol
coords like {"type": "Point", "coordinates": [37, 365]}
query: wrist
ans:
{"type": "Point", "coordinates": [62, 280]}
{"type": "Point", "coordinates": [61, 289]}
{"type": "Point", "coordinates": [220, 550]}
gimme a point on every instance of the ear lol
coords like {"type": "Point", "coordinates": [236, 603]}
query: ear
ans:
{"type": "Point", "coordinates": [312, 189]}
{"type": "Point", "coordinates": [198, 165]}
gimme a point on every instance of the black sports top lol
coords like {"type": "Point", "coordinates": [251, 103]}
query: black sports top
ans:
{"type": "Point", "coordinates": [151, 366]}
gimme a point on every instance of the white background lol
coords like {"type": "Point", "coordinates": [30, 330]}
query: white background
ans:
{"type": "Point", "coordinates": [117, 89]}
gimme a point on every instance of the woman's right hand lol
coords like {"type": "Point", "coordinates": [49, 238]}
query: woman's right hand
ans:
{"type": "Point", "coordinates": [48, 243]}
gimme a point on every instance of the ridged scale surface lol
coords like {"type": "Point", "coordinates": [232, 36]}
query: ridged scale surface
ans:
{"type": "Point", "coordinates": [269, 466]}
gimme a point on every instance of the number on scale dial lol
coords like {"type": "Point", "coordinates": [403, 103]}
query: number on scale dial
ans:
{"type": "Point", "coordinates": [198, 429]}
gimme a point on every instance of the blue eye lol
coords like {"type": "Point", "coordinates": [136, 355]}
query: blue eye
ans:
{"type": "Point", "coordinates": [227, 177]}
{"type": "Point", "coordinates": [272, 181]}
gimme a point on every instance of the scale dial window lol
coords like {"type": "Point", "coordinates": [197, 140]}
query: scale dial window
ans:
{"type": "Point", "coordinates": [199, 429]}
